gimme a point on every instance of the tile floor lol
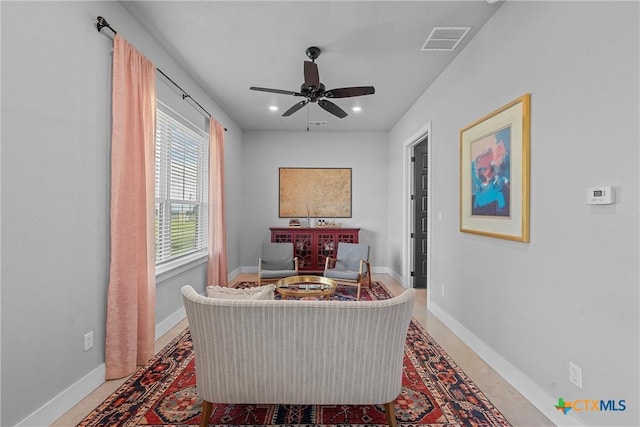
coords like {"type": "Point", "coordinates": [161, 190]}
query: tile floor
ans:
{"type": "Point", "coordinates": [510, 402]}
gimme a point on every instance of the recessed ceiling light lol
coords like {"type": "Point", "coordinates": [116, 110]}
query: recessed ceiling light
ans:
{"type": "Point", "coordinates": [356, 109]}
{"type": "Point", "coordinates": [273, 107]}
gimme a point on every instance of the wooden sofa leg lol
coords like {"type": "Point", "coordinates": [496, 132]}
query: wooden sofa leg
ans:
{"type": "Point", "coordinates": [390, 412]}
{"type": "Point", "coordinates": [207, 407]}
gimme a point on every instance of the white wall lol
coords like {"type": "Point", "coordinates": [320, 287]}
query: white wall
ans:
{"type": "Point", "coordinates": [265, 152]}
{"type": "Point", "coordinates": [56, 76]}
{"type": "Point", "coordinates": [572, 293]}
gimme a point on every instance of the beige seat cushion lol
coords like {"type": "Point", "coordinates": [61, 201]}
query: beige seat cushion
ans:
{"type": "Point", "coordinates": [258, 293]}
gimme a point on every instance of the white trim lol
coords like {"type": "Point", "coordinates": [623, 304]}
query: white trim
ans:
{"type": "Point", "coordinates": [67, 399]}
{"type": "Point", "coordinates": [538, 397]}
{"type": "Point", "coordinates": [167, 324]}
{"type": "Point", "coordinates": [374, 269]}
{"type": "Point", "coordinates": [71, 396]}
{"type": "Point", "coordinates": [393, 274]}
{"type": "Point", "coordinates": [235, 273]}
{"type": "Point", "coordinates": [183, 120]}
{"type": "Point", "coordinates": [174, 267]}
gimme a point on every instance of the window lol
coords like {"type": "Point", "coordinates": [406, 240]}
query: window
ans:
{"type": "Point", "coordinates": [182, 163]}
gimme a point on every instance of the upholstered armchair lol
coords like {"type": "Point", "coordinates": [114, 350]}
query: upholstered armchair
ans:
{"type": "Point", "coordinates": [276, 262]}
{"type": "Point", "coordinates": [351, 264]}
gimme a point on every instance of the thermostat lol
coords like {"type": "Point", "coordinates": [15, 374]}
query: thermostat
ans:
{"type": "Point", "coordinates": [601, 195]}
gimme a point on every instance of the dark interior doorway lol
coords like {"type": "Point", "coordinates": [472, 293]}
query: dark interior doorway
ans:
{"type": "Point", "coordinates": [420, 225]}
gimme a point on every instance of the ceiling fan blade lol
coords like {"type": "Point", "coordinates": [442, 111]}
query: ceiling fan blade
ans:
{"type": "Point", "coordinates": [295, 108]}
{"type": "Point", "coordinates": [346, 92]}
{"type": "Point", "coordinates": [332, 108]}
{"type": "Point", "coordinates": [283, 92]}
{"type": "Point", "coordinates": [311, 75]}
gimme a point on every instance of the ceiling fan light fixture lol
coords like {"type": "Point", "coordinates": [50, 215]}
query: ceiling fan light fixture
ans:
{"type": "Point", "coordinates": [273, 107]}
{"type": "Point", "coordinates": [356, 108]}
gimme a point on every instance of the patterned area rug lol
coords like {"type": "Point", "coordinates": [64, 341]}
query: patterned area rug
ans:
{"type": "Point", "coordinates": [435, 392]}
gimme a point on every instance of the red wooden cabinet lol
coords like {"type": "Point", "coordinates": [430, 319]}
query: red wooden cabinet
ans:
{"type": "Point", "coordinates": [313, 245]}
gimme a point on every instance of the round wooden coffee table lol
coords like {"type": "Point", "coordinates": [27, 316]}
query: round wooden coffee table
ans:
{"type": "Point", "coordinates": [306, 287]}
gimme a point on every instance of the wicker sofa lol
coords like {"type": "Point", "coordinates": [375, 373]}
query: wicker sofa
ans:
{"type": "Point", "coordinates": [298, 352]}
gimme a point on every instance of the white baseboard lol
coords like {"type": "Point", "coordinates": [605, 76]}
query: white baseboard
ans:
{"type": "Point", "coordinates": [398, 278]}
{"type": "Point", "coordinates": [167, 324]}
{"type": "Point", "coordinates": [67, 399]}
{"type": "Point", "coordinates": [374, 269]}
{"type": "Point", "coordinates": [232, 275]}
{"type": "Point", "coordinates": [528, 388]}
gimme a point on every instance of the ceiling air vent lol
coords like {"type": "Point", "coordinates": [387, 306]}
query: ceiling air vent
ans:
{"type": "Point", "coordinates": [316, 123]}
{"type": "Point", "coordinates": [445, 38]}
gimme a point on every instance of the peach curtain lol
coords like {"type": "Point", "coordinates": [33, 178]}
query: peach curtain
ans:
{"type": "Point", "coordinates": [217, 264]}
{"type": "Point", "coordinates": [131, 295]}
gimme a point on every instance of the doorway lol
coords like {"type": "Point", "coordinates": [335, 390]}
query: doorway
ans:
{"type": "Point", "coordinates": [420, 214]}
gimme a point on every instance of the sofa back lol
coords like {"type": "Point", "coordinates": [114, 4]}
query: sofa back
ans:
{"type": "Point", "coordinates": [298, 352]}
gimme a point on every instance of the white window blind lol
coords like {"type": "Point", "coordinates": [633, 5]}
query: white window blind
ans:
{"type": "Point", "coordinates": [182, 160]}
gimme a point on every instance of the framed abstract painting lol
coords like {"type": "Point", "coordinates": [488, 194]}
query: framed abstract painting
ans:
{"type": "Point", "coordinates": [494, 173]}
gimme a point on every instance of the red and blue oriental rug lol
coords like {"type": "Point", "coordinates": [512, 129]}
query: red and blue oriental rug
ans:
{"type": "Point", "coordinates": [435, 392]}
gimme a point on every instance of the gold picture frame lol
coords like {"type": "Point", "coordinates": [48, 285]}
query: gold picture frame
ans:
{"type": "Point", "coordinates": [314, 193]}
{"type": "Point", "coordinates": [494, 173]}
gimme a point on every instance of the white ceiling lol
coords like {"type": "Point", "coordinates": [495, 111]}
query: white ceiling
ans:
{"type": "Point", "coordinates": [228, 46]}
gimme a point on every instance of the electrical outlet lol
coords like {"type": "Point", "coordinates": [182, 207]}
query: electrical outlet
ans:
{"type": "Point", "coordinates": [442, 289]}
{"type": "Point", "coordinates": [575, 375]}
{"type": "Point", "coordinates": [88, 340]}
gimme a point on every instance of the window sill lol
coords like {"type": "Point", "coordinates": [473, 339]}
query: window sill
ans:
{"type": "Point", "coordinates": [170, 269]}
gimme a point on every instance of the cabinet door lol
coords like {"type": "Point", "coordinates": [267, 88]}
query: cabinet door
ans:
{"type": "Point", "coordinates": [303, 249]}
{"type": "Point", "coordinates": [325, 247]}
{"type": "Point", "coordinates": [347, 236]}
{"type": "Point", "coordinates": [281, 237]}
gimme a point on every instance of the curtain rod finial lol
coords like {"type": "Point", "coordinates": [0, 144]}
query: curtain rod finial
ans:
{"type": "Point", "coordinates": [101, 23]}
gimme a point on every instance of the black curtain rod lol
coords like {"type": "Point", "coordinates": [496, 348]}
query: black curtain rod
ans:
{"type": "Point", "coordinates": [102, 23]}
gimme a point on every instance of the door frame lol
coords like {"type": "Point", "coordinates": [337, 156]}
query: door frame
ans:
{"type": "Point", "coordinates": [407, 209]}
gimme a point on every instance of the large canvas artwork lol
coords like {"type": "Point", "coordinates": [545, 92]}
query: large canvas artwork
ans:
{"type": "Point", "coordinates": [315, 193]}
{"type": "Point", "coordinates": [494, 173]}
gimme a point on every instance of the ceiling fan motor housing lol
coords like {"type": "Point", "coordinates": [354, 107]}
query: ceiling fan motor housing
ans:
{"type": "Point", "coordinates": [311, 92]}
{"type": "Point", "coordinates": [313, 52]}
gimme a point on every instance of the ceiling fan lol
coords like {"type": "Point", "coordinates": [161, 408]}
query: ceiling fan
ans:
{"type": "Point", "coordinates": [314, 91]}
